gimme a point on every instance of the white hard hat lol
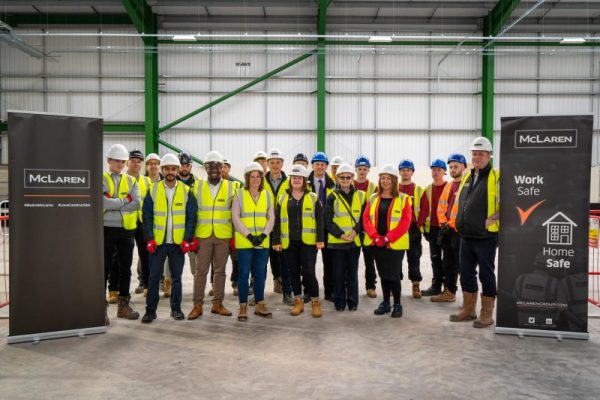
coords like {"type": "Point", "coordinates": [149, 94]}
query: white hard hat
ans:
{"type": "Point", "coordinates": [226, 161]}
{"type": "Point", "coordinates": [337, 160]}
{"type": "Point", "coordinates": [345, 168]}
{"type": "Point", "coordinates": [152, 156]}
{"type": "Point", "coordinates": [117, 152]}
{"type": "Point", "coordinates": [482, 144]}
{"type": "Point", "coordinates": [299, 170]}
{"type": "Point", "coordinates": [253, 166]}
{"type": "Point", "coordinates": [259, 155]}
{"type": "Point", "coordinates": [213, 156]}
{"type": "Point", "coordinates": [275, 153]}
{"type": "Point", "coordinates": [170, 159]}
{"type": "Point", "coordinates": [389, 169]}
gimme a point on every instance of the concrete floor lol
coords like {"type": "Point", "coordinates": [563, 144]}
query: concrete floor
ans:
{"type": "Point", "coordinates": [340, 356]}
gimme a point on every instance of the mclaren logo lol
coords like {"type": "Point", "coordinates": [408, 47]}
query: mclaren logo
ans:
{"type": "Point", "coordinates": [57, 179]}
{"type": "Point", "coordinates": [546, 139]}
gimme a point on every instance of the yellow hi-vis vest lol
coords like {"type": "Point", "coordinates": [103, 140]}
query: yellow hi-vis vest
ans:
{"type": "Point", "coordinates": [214, 215]}
{"type": "Point", "coordinates": [125, 186]}
{"type": "Point", "coordinates": [428, 192]}
{"type": "Point", "coordinates": [344, 219]}
{"type": "Point", "coordinates": [394, 220]}
{"type": "Point", "coordinates": [493, 201]}
{"type": "Point", "coordinates": [159, 197]}
{"type": "Point", "coordinates": [309, 219]}
{"type": "Point", "coordinates": [253, 215]}
{"type": "Point", "coordinates": [143, 185]}
{"type": "Point", "coordinates": [283, 186]}
{"type": "Point", "coordinates": [417, 196]}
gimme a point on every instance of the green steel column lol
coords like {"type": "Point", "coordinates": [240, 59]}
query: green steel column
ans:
{"type": "Point", "coordinates": [151, 92]}
{"type": "Point", "coordinates": [487, 85]}
{"type": "Point", "coordinates": [321, 49]}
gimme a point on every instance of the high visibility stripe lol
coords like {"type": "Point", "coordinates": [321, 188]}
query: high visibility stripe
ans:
{"type": "Point", "coordinates": [161, 212]}
{"type": "Point", "coordinates": [344, 219]}
{"type": "Point", "coordinates": [309, 222]}
{"type": "Point", "coordinates": [125, 185]}
{"type": "Point", "coordinates": [214, 214]}
{"type": "Point", "coordinates": [253, 216]}
{"type": "Point", "coordinates": [398, 205]}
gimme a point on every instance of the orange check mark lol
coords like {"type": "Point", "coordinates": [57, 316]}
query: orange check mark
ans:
{"type": "Point", "coordinates": [525, 214]}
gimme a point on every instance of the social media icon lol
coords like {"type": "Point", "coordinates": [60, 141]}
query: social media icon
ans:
{"type": "Point", "coordinates": [532, 320]}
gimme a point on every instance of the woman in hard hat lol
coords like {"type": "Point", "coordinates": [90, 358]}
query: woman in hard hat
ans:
{"type": "Point", "coordinates": [343, 211]}
{"type": "Point", "coordinates": [253, 217]}
{"type": "Point", "coordinates": [299, 233]}
{"type": "Point", "coordinates": [386, 220]}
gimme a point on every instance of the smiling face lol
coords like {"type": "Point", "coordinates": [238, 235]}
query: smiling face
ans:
{"type": "Point", "coordinates": [297, 182]}
{"type": "Point", "coordinates": [213, 170]}
{"type": "Point", "coordinates": [319, 167]}
{"type": "Point", "coordinates": [275, 165]}
{"type": "Point", "coordinates": [480, 159]}
{"type": "Point", "coordinates": [254, 178]}
{"type": "Point", "coordinates": [345, 180]}
{"type": "Point", "coordinates": [385, 181]}
{"type": "Point", "coordinates": [152, 167]}
{"type": "Point", "coordinates": [170, 172]}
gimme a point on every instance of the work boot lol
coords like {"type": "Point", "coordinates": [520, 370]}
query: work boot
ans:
{"type": "Point", "coordinates": [139, 289]}
{"type": "Point", "coordinates": [262, 310]}
{"type": "Point", "coordinates": [277, 287]}
{"type": "Point", "coordinates": [218, 308]}
{"type": "Point", "coordinates": [196, 311]}
{"type": "Point", "coordinates": [288, 299]}
{"type": "Point", "coordinates": [243, 313]}
{"type": "Point", "coordinates": [316, 308]}
{"type": "Point", "coordinates": [168, 283]}
{"type": "Point", "coordinates": [371, 293]}
{"type": "Point", "coordinates": [383, 308]}
{"type": "Point", "coordinates": [446, 297]}
{"type": "Point", "coordinates": [149, 316]}
{"type": "Point", "coordinates": [177, 315]}
{"type": "Point", "coordinates": [124, 310]}
{"type": "Point", "coordinates": [145, 292]}
{"type": "Point", "coordinates": [416, 291]}
{"type": "Point", "coordinates": [467, 311]}
{"type": "Point", "coordinates": [397, 311]}
{"type": "Point", "coordinates": [113, 297]}
{"type": "Point", "coordinates": [298, 307]}
{"type": "Point", "coordinates": [487, 310]}
{"type": "Point", "coordinates": [431, 291]}
{"type": "Point", "coordinates": [106, 319]}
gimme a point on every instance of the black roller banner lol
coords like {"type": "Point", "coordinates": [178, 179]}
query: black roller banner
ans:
{"type": "Point", "coordinates": [545, 164]}
{"type": "Point", "coordinates": [56, 242]}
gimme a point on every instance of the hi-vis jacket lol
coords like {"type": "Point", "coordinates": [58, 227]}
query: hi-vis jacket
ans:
{"type": "Point", "coordinates": [118, 212]}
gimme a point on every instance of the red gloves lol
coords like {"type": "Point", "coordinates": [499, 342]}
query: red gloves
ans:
{"type": "Point", "coordinates": [381, 241]}
{"type": "Point", "coordinates": [151, 246]}
{"type": "Point", "coordinates": [195, 245]}
{"type": "Point", "coordinates": [185, 246]}
{"type": "Point", "coordinates": [107, 195]}
{"type": "Point", "coordinates": [232, 244]}
{"type": "Point", "coordinates": [129, 198]}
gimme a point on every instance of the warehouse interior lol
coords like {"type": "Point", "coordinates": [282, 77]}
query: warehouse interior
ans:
{"type": "Point", "coordinates": [390, 79]}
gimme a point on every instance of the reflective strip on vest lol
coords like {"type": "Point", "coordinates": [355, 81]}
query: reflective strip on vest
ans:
{"type": "Point", "coordinates": [254, 216]}
{"type": "Point", "coordinates": [160, 200]}
{"type": "Point", "coordinates": [398, 205]}
{"type": "Point", "coordinates": [309, 220]}
{"type": "Point", "coordinates": [125, 185]}
{"type": "Point", "coordinates": [214, 215]}
{"type": "Point", "coordinates": [343, 219]}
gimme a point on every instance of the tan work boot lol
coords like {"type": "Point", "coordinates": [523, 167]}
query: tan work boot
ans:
{"type": "Point", "coordinates": [125, 310]}
{"type": "Point", "coordinates": [277, 287]}
{"type": "Point", "coordinates": [113, 297]}
{"type": "Point", "coordinates": [371, 293]}
{"type": "Point", "coordinates": [168, 283]}
{"type": "Point", "coordinates": [446, 297]}
{"type": "Point", "coordinates": [196, 311]}
{"type": "Point", "coordinates": [243, 313]}
{"type": "Point", "coordinates": [145, 292]}
{"type": "Point", "coordinates": [416, 290]}
{"type": "Point", "coordinates": [298, 307]}
{"type": "Point", "coordinates": [262, 310]}
{"type": "Point", "coordinates": [218, 308]}
{"type": "Point", "coordinates": [487, 310]}
{"type": "Point", "coordinates": [316, 308]}
{"type": "Point", "coordinates": [467, 311]}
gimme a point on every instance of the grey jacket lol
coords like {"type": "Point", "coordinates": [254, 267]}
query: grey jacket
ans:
{"type": "Point", "coordinates": [114, 207]}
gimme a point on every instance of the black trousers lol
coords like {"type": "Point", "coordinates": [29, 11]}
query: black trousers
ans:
{"type": "Point", "coordinates": [436, 258]}
{"type": "Point", "coordinates": [370, 273]}
{"type": "Point", "coordinates": [140, 243]}
{"type": "Point", "coordinates": [301, 260]}
{"type": "Point", "coordinates": [451, 259]}
{"type": "Point", "coordinates": [413, 254]}
{"type": "Point", "coordinates": [120, 242]}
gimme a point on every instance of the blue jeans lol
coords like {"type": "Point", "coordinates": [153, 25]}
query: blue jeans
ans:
{"type": "Point", "coordinates": [482, 253]}
{"type": "Point", "coordinates": [254, 260]}
{"type": "Point", "coordinates": [345, 276]}
{"type": "Point", "coordinates": [156, 263]}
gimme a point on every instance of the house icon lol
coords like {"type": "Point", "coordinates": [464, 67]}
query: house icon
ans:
{"type": "Point", "coordinates": [559, 229]}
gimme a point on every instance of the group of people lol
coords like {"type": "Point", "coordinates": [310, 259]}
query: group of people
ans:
{"type": "Point", "coordinates": [285, 219]}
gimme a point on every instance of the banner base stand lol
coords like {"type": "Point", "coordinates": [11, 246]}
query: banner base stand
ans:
{"type": "Point", "coordinates": [36, 337]}
{"type": "Point", "coordinates": [558, 335]}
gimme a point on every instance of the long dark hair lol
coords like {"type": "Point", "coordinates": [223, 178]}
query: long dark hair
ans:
{"type": "Point", "coordinates": [395, 189]}
{"type": "Point", "coordinates": [247, 180]}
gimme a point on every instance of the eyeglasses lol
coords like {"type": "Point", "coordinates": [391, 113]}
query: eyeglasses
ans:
{"type": "Point", "coordinates": [344, 177]}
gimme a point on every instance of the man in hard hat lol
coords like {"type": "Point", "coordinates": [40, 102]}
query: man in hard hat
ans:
{"type": "Point", "coordinates": [322, 184]}
{"type": "Point", "coordinates": [121, 202]}
{"type": "Point", "coordinates": [301, 159]}
{"type": "Point", "coordinates": [335, 163]}
{"type": "Point", "coordinates": [169, 214]}
{"type": "Point", "coordinates": [419, 215]}
{"type": "Point", "coordinates": [449, 238]}
{"type": "Point", "coordinates": [225, 173]}
{"type": "Point", "coordinates": [134, 167]}
{"type": "Point", "coordinates": [153, 167]}
{"type": "Point", "coordinates": [233, 254]}
{"type": "Point", "coordinates": [362, 166]}
{"type": "Point", "coordinates": [276, 182]}
{"type": "Point", "coordinates": [186, 176]}
{"type": "Point", "coordinates": [261, 158]}
{"type": "Point", "coordinates": [214, 231]}
{"type": "Point", "coordinates": [431, 229]}
{"type": "Point", "coordinates": [477, 208]}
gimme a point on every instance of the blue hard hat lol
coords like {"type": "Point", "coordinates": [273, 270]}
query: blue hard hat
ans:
{"type": "Point", "coordinates": [320, 156]}
{"type": "Point", "coordinates": [456, 157]}
{"type": "Point", "coordinates": [362, 161]}
{"type": "Point", "coordinates": [406, 164]}
{"type": "Point", "coordinates": [439, 164]}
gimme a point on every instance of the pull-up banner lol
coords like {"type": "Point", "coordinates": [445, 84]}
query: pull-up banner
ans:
{"type": "Point", "coordinates": [56, 243]}
{"type": "Point", "coordinates": [545, 164]}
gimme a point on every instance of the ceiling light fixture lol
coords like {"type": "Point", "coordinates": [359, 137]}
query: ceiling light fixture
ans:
{"type": "Point", "coordinates": [380, 39]}
{"type": "Point", "coordinates": [572, 40]}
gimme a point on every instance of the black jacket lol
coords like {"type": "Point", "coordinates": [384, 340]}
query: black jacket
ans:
{"type": "Point", "coordinates": [473, 207]}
